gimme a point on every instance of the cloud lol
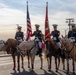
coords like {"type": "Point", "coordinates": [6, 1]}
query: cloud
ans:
{"type": "Point", "coordinates": [11, 16]}
{"type": "Point", "coordinates": [3, 5]}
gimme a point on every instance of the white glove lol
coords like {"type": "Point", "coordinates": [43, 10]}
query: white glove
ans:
{"type": "Point", "coordinates": [54, 38]}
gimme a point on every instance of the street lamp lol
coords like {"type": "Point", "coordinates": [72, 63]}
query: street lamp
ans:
{"type": "Point", "coordinates": [70, 21]}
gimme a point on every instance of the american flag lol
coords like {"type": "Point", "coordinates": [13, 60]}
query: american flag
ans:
{"type": "Point", "coordinates": [29, 29]}
{"type": "Point", "coordinates": [47, 29]}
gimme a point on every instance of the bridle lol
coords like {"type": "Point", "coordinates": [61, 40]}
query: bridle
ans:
{"type": "Point", "coordinates": [68, 52]}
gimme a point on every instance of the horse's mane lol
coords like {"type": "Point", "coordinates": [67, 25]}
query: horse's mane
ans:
{"type": "Point", "coordinates": [51, 42]}
{"type": "Point", "coordinates": [53, 46]}
{"type": "Point", "coordinates": [65, 39]}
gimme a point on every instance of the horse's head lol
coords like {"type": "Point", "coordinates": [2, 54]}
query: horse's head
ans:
{"type": "Point", "coordinates": [65, 42]}
{"type": "Point", "coordinates": [49, 44]}
{"type": "Point", "coordinates": [8, 47]}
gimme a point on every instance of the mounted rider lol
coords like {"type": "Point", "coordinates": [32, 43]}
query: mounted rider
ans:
{"type": "Point", "coordinates": [19, 34]}
{"type": "Point", "coordinates": [38, 38]}
{"type": "Point", "coordinates": [56, 33]}
{"type": "Point", "coordinates": [72, 34]}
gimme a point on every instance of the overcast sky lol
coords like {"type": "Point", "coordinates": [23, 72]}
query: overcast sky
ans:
{"type": "Point", "coordinates": [13, 12]}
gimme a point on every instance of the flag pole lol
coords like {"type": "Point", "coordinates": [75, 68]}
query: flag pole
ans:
{"type": "Point", "coordinates": [29, 28]}
{"type": "Point", "coordinates": [47, 29]}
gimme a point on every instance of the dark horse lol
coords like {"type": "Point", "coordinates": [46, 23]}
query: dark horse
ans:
{"type": "Point", "coordinates": [52, 49]}
{"type": "Point", "coordinates": [10, 46]}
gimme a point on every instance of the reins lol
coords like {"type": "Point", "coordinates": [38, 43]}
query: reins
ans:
{"type": "Point", "coordinates": [70, 49]}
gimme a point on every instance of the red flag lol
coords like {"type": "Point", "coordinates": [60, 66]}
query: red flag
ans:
{"type": "Point", "coordinates": [47, 29]}
{"type": "Point", "coordinates": [29, 29]}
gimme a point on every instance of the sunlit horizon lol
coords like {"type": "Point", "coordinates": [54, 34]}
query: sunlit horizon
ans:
{"type": "Point", "coordinates": [13, 12]}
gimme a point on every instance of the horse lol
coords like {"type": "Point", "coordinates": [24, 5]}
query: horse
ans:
{"type": "Point", "coordinates": [10, 47]}
{"type": "Point", "coordinates": [32, 49]}
{"type": "Point", "coordinates": [52, 49]}
{"type": "Point", "coordinates": [70, 52]}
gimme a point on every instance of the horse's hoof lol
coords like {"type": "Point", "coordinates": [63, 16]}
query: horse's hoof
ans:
{"type": "Point", "coordinates": [41, 68]}
{"type": "Point", "coordinates": [22, 67]}
{"type": "Point", "coordinates": [30, 69]}
{"type": "Point", "coordinates": [18, 70]}
{"type": "Point", "coordinates": [67, 72]}
{"type": "Point", "coordinates": [49, 70]}
{"type": "Point", "coordinates": [56, 70]}
{"type": "Point", "coordinates": [14, 69]}
{"type": "Point", "coordinates": [63, 68]}
{"type": "Point", "coordinates": [74, 73]}
{"type": "Point", "coordinates": [28, 66]}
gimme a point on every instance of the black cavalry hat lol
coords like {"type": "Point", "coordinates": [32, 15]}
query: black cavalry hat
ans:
{"type": "Point", "coordinates": [19, 27]}
{"type": "Point", "coordinates": [37, 25]}
{"type": "Point", "coordinates": [73, 25]}
{"type": "Point", "coordinates": [54, 25]}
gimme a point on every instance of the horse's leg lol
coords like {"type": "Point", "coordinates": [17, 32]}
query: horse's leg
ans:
{"type": "Point", "coordinates": [67, 65]}
{"type": "Point", "coordinates": [32, 66]}
{"type": "Point", "coordinates": [28, 57]}
{"type": "Point", "coordinates": [50, 63]}
{"type": "Point", "coordinates": [14, 61]}
{"type": "Point", "coordinates": [22, 61]}
{"type": "Point", "coordinates": [56, 64]}
{"type": "Point", "coordinates": [73, 66]}
{"type": "Point", "coordinates": [63, 62]}
{"type": "Point", "coordinates": [33, 62]}
{"type": "Point", "coordinates": [41, 62]}
{"type": "Point", "coordinates": [18, 61]}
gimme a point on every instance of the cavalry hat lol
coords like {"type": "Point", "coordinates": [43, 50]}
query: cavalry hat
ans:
{"type": "Point", "coordinates": [73, 25]}
{"type": "Point", "coordinates": [19, 27]}
{"type": "Point", "coordinates": [37, 25]}
{"type": "Point", "coordinates": [54, 25]}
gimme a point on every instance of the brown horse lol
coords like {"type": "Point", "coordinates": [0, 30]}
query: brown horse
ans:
{"type": "Point", "coordinates": [70, 52]}
{"type": "Point", "coordinates": [52, 49]}
{"type": "Point", "coordinates": [10, 47]}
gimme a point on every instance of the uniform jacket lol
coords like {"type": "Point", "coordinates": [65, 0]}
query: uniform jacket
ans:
{"type": "Point", "coordinates": [38, 34]}
{"type": "Point", "coordinates": [72, 33]}
{"type": "Point", "coordinates": [19, 35]}
{"type": "Point", "coordinates": [56, 35]}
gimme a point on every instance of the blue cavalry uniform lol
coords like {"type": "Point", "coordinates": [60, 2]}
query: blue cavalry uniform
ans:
{"type": "Point", "coordinates": [38, 35]}
{"type": "Point", "coordinates": [55, 34]}
{"type": "Point", "coordinates": [38, 39]}
{"type": "Point", "coordinates": [19, 35]}
{"type": "Point", "coordinates": [72, 34]}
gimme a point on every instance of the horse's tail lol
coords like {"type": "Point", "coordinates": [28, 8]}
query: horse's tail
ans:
{"type": "Point", "coordinates": [44, 56]}
{"type": "Point", "coordinates": [27, 56]}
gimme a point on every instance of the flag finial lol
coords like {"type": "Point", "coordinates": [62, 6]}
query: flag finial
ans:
{"type": "Point", "coordinates": [27, 2]}
{"type": "Point", "coordinates": [47, 3]}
